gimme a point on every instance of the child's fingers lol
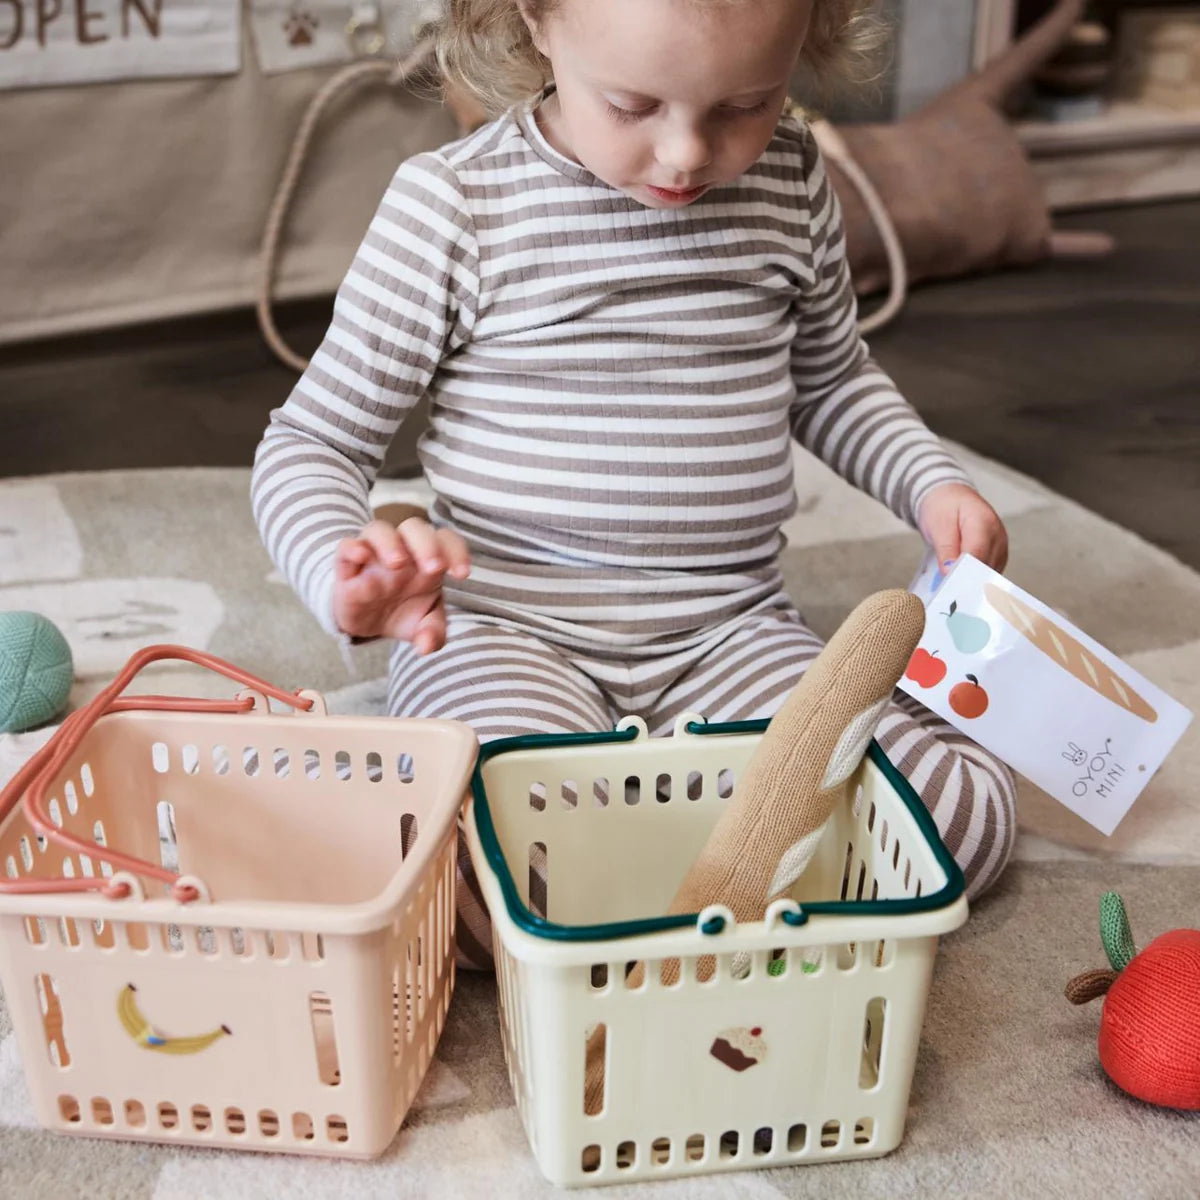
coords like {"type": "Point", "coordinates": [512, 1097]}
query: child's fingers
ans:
{"type": "Point", "coordinates": [983, 536]}
{"type": "Point", "coordinates": [455, 553]}
{"type": "Point", "coordinates": [386, 544]}
{"type": "Point", "coordinates": [947, 545]}
{"type": "Point", "coordinates": [352, 555]}
{"type": "Point", "coordinates": [430, 634]}
{"type": "Point", "coordinates": [998, 558]}
{"type": "Point", "coordinates": [421, 540]}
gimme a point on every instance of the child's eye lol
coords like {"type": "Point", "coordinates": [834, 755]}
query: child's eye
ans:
{"type": "Point", "coordinates": [627, 116]}
{"type": "Point", "coordinates": [753, 111]}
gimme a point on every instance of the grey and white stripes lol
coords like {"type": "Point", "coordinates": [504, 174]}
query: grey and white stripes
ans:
{"type": "Point", "coordinates": [614, 393]}
{"type": "Point", "coordinates": [612, 386]}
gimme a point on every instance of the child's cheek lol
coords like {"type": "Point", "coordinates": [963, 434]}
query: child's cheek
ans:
{"type": "Point", "coordinates": [613, 155]}
{"type": "Point", "coordinates": [611, 144]}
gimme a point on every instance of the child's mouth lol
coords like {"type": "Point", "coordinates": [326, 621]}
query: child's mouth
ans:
{"type": "Point", "coordinates": [676, 195]}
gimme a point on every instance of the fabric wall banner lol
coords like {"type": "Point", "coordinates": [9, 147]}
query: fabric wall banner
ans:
{"type": "Point", "coordinates": [45, 42]}
{"type": "Point", "coordinates": [289, 34]}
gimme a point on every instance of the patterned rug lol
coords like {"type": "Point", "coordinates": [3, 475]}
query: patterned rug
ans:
{"type": "Point", "coordinates": [1008, 1098]}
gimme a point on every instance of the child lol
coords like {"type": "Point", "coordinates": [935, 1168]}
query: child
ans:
{"type": "Point", "coordinates": [625, 297]}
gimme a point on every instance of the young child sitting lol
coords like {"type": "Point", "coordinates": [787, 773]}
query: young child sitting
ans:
{"type": "Point", "coordinates": [625, 296]}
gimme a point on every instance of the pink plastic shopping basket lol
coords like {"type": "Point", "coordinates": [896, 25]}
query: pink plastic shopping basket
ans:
{"type": "Point", "coordinates": [267, 960]}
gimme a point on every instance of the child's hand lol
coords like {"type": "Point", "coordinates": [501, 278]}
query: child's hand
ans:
{"type": "Point", "coordinates": [955, 519]}
{"type": "Point", "coordinates": [388, 581]}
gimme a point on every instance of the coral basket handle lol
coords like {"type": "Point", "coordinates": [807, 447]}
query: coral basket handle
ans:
{"type": "Point", "coordinates": [31, 781]}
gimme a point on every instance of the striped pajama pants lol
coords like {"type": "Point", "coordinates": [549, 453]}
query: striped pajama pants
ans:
{"type": "Point", "coordinates": [503, 679]}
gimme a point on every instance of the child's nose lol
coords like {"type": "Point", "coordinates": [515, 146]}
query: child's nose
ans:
{"type": "Point", "coordinates": [685, 151]}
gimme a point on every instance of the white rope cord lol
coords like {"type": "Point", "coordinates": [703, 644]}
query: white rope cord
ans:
{"type": "Point", "coordinates": [355, 75]}
{"type": "Point", "coordinates": [834, 148]}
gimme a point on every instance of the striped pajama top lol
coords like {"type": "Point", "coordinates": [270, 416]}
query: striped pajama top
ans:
{"type": "Point", "coordinates": [614, 389]}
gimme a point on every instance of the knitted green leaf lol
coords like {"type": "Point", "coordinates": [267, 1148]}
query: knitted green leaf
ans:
{"type": "Point", "coordinates": [1115, 933]}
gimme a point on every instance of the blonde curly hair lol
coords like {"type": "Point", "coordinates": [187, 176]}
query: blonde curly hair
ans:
{"type": "Point", "coordinates": [485, 47]}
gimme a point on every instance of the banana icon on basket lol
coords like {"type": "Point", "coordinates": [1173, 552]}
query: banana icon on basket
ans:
{"type": "Point", "coordinates": [147, 1036]}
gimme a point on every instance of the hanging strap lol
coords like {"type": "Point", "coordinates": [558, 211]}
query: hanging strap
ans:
{"type": "Point", "coordinates": [349, 78]}
{"type": "Point", "coordinates": [30, 783]}
{"type": "Point", "coordinates": [835, 149]}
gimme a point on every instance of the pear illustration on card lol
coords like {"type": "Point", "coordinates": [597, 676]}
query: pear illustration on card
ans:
{"type": "Point", "coordinates": [969, 634]}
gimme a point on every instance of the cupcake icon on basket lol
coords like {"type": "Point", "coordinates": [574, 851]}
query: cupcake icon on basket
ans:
{"type": "Point", "coordinates": [739, 1049]}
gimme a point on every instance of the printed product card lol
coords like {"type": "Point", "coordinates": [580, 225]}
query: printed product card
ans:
{"type": "Point", "coordinates": [1023, 682]}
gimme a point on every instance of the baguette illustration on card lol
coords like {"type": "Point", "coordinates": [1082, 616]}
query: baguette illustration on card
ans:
{"type": "Point", "coordinates": [1067, 652]}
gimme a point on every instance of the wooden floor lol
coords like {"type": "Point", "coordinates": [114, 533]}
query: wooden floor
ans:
{"type": "Point", "coordinates": [1085, 375]}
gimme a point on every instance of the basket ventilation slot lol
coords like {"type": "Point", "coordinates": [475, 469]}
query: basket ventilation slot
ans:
{"type": "Point", "coordinates": [320, 1008]}
{"type": "Point", "coordinates": [52, 1021]}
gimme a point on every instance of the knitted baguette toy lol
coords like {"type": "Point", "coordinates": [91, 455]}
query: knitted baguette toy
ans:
{"type": "Point", "coordinates": [767, 834]}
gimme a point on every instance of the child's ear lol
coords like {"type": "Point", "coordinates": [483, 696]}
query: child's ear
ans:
{"type": "Point", "coordinates": [535, 27]}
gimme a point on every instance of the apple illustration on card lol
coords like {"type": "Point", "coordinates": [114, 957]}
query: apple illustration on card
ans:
{"type": "Point", "coordinates": [925, 669]}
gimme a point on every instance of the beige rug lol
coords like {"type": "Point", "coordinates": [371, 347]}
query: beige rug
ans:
{"type": "Point", "coordinates": [1008, 1099]}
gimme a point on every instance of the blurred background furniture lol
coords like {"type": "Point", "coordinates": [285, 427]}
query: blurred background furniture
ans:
{"type": "Point", "coordinates": [131, 214]}
{"type": "Point", "coordinates": [1140, 140]}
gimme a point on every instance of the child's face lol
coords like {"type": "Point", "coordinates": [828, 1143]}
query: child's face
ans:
{"type": "Point", "coordinates": [665, 99]}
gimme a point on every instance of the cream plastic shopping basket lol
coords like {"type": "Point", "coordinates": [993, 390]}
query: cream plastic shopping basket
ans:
{"type": "Point", "coordinates": [287, 990]}
{"type": "Point", "coordinates": [800, 1048]}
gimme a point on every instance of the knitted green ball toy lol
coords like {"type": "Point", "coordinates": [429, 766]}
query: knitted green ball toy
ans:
{"type": "Point", "coordinates": [35, 671]}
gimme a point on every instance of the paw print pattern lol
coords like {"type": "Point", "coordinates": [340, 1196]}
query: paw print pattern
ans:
{"type": "Point", "coordinates": [299, 27]}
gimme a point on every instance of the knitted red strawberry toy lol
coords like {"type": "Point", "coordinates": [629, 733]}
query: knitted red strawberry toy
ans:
{"type": "Point", "coordinates": [1150, 1026]}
